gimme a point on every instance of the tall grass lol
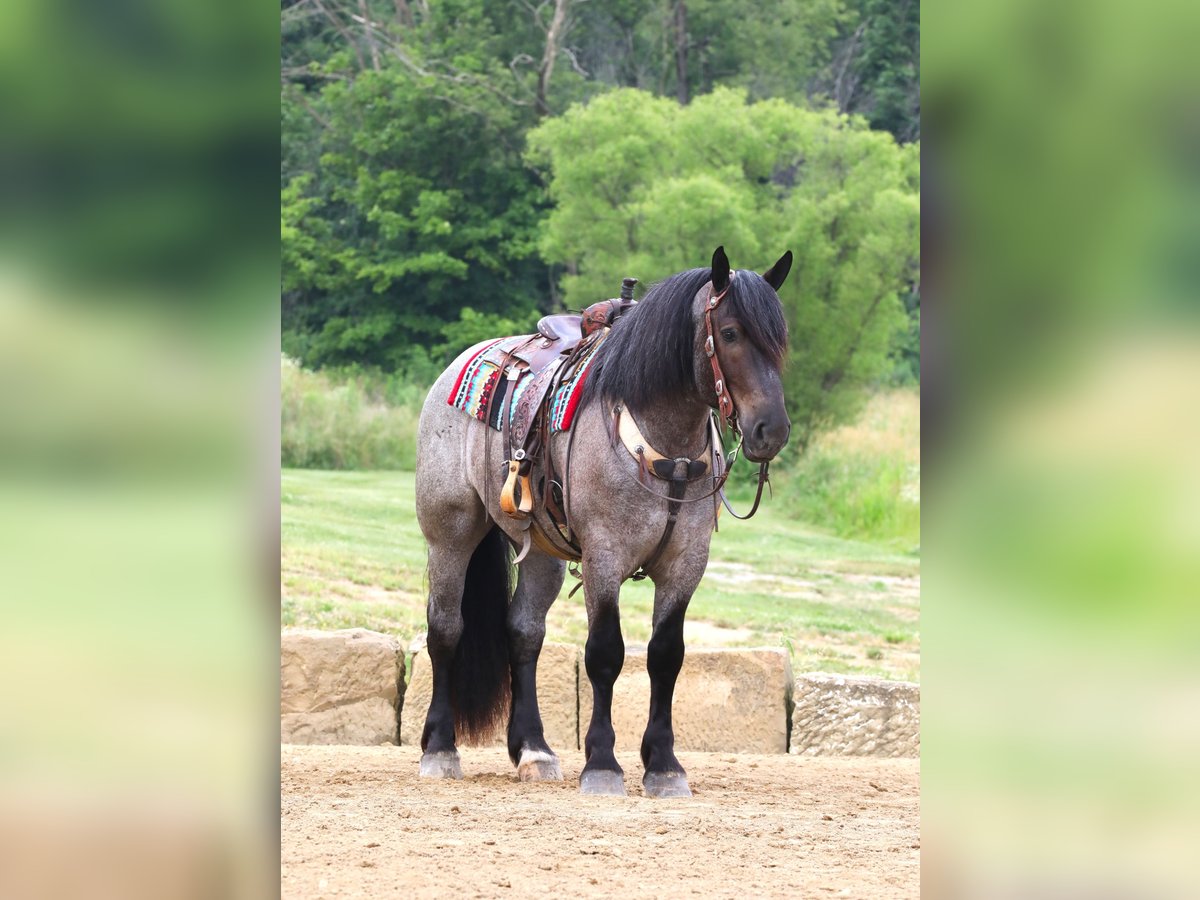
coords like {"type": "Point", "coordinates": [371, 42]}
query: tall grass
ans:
{"type": "Point", "coordinates": [864, 480]}
{"type": "Point", "coordinates": [349, 420]}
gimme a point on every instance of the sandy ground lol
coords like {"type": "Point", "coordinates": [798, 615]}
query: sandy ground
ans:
{"type": "Point", "coordinates": [357, 821]}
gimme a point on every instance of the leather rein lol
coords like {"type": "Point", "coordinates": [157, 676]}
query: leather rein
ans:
{"type": "Point", "coordinates": [680, 472]}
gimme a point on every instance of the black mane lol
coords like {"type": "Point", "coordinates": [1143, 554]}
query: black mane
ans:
{"type": "Point", "coordinates": [650, 352]}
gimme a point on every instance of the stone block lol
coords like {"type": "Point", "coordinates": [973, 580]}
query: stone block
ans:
{"type": "Point", "coordinates": [726, 700]}
{"type": "Point", "coordinates": [557, 676]}
{"type": "Point", "coordinates": [339, 687]}
{"type": "Point", "coordinates": [844, 715]}
{"type": "Point", "coordinates": [558, 694]}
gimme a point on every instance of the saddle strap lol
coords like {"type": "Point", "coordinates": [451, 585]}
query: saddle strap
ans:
{"type": "Point", "coordinates": [676, 489]}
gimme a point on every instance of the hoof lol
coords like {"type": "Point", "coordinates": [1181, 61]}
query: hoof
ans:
{"type": "Point", "coordinates": [602, 783]}
{"type": "Point", "coordinates": [666, 784]}
{"type": "Point", "coordinates": [441, 765]}
{"type": "Point", "coordinates": [537, 765]}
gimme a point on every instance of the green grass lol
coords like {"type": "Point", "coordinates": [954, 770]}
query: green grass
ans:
{"type": "Point", "coordinates": [863, 480]}
{"type": "Point", "coordinates": [353, 556]}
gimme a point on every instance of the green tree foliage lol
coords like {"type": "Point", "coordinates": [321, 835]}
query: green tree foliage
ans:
{"type": "Point", "coordinates": [405, 200]}
{"type": "Point", "coordinates": [874, 68]}
{"type": "Point", "coordinates": [420, 206]}
{"type": "Point", "coordinates": [416, 217]}
{"type": "Point", "coordinates": [906, 349]}
{"type": "Point", "coordinates": [644, 186]}
{"type": "Point", "coordinates": [773, 50]}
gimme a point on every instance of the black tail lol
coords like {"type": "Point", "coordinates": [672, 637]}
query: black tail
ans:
{"type": "Point", "coordinates": [479, 685]}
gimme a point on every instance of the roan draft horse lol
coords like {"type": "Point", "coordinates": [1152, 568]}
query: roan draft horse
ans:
{"type": "Point", "coordinates": [630, 489]}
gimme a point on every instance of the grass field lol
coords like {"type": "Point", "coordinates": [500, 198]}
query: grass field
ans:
{"type": "Point", "coordinates": [353, 556]}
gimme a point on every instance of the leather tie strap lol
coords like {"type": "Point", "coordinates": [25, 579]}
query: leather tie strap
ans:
{"type": "Point", "coordinates": [677, 483]}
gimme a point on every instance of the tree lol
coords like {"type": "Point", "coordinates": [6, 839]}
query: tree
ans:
{"type": "Point", "coordinates": [409, 216]}
{"type": "Point", "coordinates": [875, 69]}
{"type": "Point", "coordinates": [406, 221]}
{"type": "Point", "coordinates": [642, 186]}
{"type": "Point", "coordinates": [684, 49]}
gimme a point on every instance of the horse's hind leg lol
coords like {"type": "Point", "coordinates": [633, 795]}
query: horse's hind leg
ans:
{"type": "Point", "coordinates": [447, 573]}
{"type": "Point", "coordinates": [541, 578]}
{"type": "Point", "coordinates": [451, 545]}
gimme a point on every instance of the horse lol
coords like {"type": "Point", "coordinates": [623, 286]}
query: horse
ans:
{"type": "Point", "coordinates": [706, 339]}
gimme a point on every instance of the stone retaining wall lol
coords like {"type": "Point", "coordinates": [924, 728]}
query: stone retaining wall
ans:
{"type": "Point", "coordinates": [339, 687]}
{"type": "Point", "coordinates": [557, 673]}
{"type": "Point", "coordinates": [733, 700]}
{"type": "Point", "coordinates": [845, 715]}
{"type": "Point", "coordinates": [348, 687]}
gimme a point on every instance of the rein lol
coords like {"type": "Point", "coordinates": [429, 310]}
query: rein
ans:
{"type": "Point", "coordinates": [764, 476]}
{"type": "Point", "coordinates": [680, 472]}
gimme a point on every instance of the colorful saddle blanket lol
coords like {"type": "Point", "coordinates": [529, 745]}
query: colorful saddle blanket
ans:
{"type": "Point", "coordinates": [485, 381]}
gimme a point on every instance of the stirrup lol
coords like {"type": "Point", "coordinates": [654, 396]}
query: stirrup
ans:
{"type": "Point", "coordinates": [509, 502]}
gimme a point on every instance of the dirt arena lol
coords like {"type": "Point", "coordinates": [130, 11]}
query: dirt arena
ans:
{"type": "Point", "coordinates": [357, 822]}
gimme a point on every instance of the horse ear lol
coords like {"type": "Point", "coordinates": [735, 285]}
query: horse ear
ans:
{"type": "Point", "coordinates": [778, 273]}
{"type": "Point", "coordinates": [720, 269]}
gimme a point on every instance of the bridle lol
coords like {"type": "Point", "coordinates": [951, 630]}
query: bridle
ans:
{"type": "Point", "coordinates": [725, 402]}
{"type": "Point", "coordinates": [680, 472]}
{"type": "Point", "coordinates": [728, 413]}
{"type": "Point", "coordinates": [724, 398]}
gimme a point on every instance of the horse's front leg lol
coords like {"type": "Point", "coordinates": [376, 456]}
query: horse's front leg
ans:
{"type": "Point", "coordinates": [603, 657]}
{"type": "Point", "coordinates": [664, 776]}
{"type": "Point", "coordinates": [538, 584]}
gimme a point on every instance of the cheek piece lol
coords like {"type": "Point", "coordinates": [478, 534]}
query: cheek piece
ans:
{"type": "Point", "coordinates": [724, 398]}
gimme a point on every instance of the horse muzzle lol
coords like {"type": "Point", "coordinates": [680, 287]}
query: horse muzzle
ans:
{"type": "Point", "coordinates": [765, 438]}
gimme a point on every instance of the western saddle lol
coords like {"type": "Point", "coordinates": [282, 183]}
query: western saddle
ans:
{"type": "Point", "coordinates": [549, 360]}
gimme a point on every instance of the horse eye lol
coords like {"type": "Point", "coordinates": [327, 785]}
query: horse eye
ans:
{"type": "Point", "coordinates": [729, 335]}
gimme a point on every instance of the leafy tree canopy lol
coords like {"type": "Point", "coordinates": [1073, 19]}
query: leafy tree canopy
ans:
{"type": "Point", "coordinates": [419, 207]}
{"type": "Point", "coordinates": [453, 168]}
{"type": "Point", "coordinates": [643, 186]}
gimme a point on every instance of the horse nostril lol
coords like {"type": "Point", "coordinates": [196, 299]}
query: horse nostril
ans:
{"type": "Point", "coordinates": [760, 433]}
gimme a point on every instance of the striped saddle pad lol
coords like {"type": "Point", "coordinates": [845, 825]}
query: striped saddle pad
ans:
{"type": "Point", "coordinates": [484, 380]}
